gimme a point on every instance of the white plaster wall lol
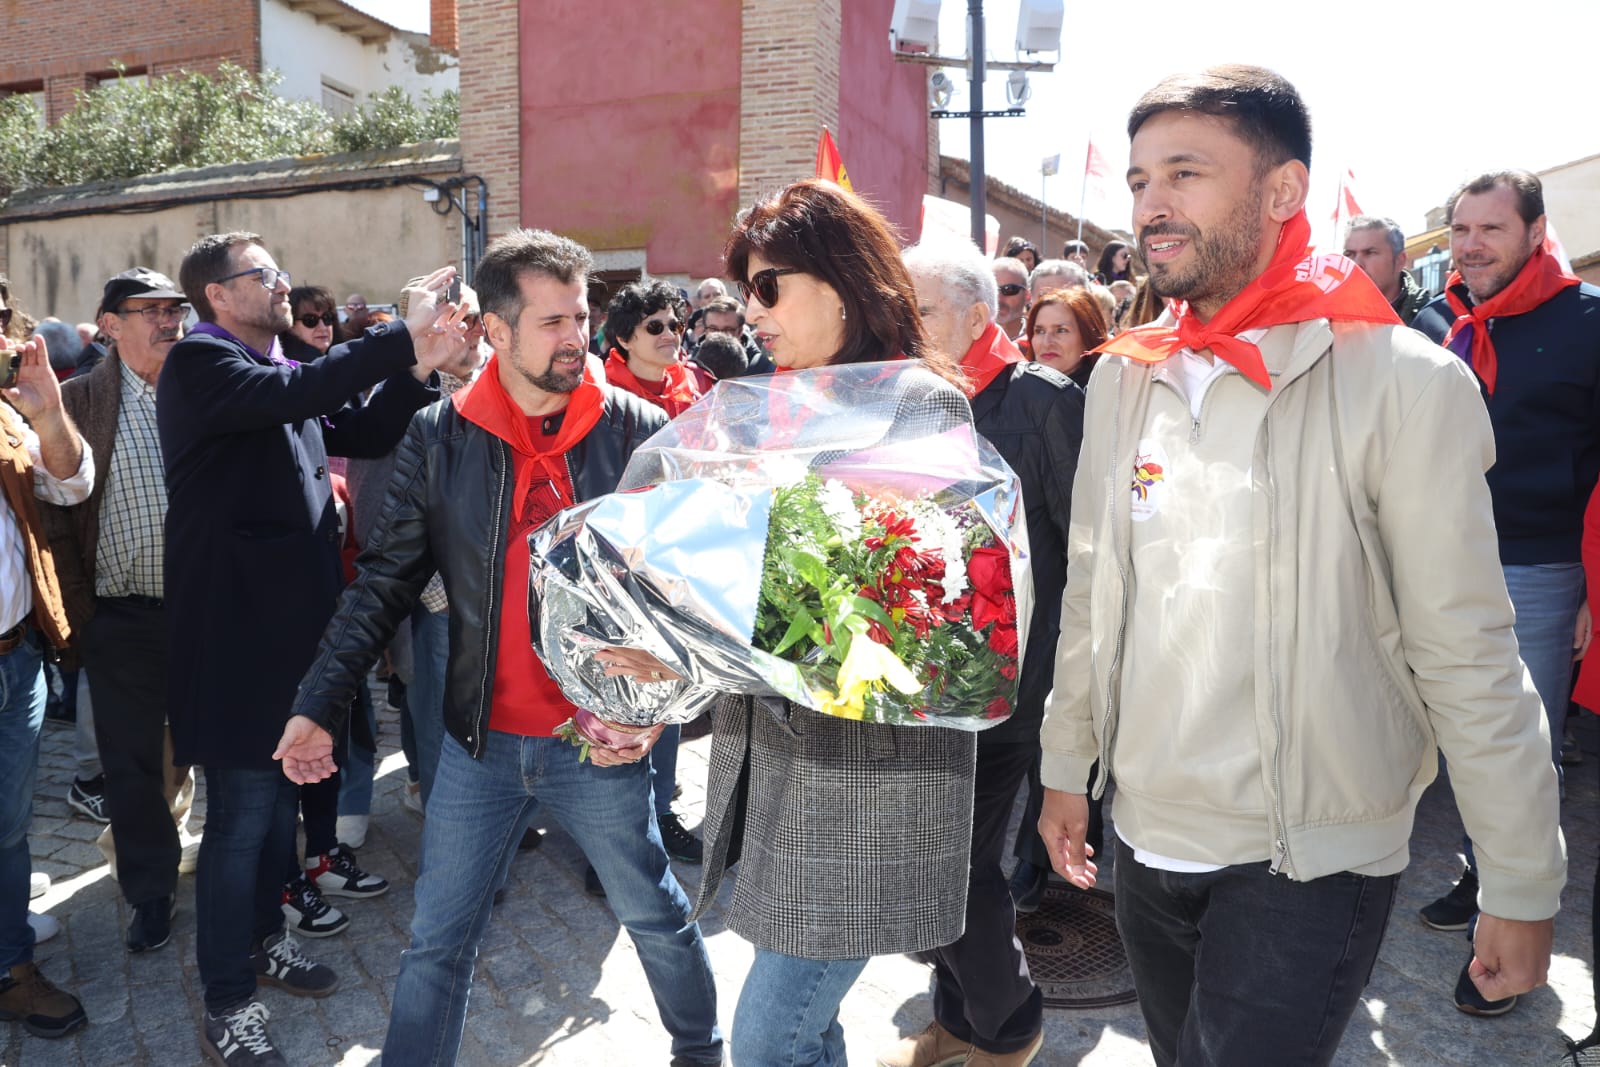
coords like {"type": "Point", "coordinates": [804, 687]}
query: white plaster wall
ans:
{"type": "Point", "coordinates": [305, 51]}
{"type": "Point", "coordinates": [1572, 203]}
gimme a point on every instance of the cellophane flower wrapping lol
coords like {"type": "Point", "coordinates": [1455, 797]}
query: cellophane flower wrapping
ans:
{"type": "Point", "coordinates": [839, 536]}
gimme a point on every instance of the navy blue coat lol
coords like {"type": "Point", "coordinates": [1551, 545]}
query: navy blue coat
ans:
{"type": "Point", "coordinates": [252, 554]}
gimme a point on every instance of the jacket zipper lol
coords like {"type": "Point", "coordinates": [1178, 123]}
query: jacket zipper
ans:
{"type": "Point", "coordinates": [1280, 847]}
{"type": "Point", "coordinates": [476, 740]}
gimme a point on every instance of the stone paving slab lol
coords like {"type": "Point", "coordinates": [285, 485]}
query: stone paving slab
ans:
{"type": "Point", "coordinates": [559, 984]}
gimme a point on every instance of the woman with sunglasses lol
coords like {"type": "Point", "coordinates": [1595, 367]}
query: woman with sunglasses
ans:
{"type": "Point", "coordinates": [310, 334]}
{"type": "Point", "coordinates": [852, 838]}
{"type": "Point", "coordinates": [645, 323]}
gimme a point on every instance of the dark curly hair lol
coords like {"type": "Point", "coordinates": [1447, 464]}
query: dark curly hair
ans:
{"type": "Point", "coordinates": [636, 302]}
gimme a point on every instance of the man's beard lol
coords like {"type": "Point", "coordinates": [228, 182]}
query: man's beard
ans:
{"type": "Point", "coordinates": [551, 379]}
{"type": "Point", "coordinates": [1223, 260]}
{"type": "Point", "coordinates": [273, 319]}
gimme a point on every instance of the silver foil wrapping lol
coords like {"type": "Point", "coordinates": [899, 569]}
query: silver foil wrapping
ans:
{"type": "Point", "coordinates": [672, 562]}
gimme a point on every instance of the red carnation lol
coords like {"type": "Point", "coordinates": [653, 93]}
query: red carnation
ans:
{"type": "Point", "coordinates": [998, 708]}
{"type": "Point", "coordinates": [1003, 640]}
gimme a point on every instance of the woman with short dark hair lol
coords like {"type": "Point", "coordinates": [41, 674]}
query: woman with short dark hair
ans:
{"type": "Point", "coordinates": [645, 323]}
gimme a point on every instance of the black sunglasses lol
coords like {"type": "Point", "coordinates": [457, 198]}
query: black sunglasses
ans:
{"type": "Point", "coordinates": [655, 326]}
{"type": "Point", "coordinates": [1011, 289]}
{"type": "Point", "coordinates": [763, 285]}
{"type": "Point", "coordinates": [310, 319]}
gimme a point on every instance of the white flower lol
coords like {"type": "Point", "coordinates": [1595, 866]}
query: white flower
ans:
{"type": "Point", "coordinates": [839, 504]}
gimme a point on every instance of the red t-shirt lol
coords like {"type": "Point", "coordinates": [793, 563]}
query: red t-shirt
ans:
{"type": "Point", "coordinates": [526, 701]}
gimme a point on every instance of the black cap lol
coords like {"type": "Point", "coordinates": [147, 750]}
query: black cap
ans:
{"type": "Point", "coordinates": [137, 281]}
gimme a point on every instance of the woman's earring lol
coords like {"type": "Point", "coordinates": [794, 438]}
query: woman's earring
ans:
{"type": "Point", "coordinates": [842, 313]}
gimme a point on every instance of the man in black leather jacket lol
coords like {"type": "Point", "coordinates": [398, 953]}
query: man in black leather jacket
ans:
{"type": "Point", "coordinates": [983, 998]}
{"type": "Point", "coordinates": [538, 430]}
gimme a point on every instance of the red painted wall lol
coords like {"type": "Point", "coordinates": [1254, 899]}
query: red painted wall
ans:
{"type": "Point", "coordinates": [630, 126]}
{"type": "Point", "coordinates": [883, 117]}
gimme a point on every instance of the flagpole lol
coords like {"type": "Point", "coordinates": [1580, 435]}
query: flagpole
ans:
{"type": "Point", "coordinates": [1083, 194]}
{"type": "Point", "coordinates": [1044, 210]}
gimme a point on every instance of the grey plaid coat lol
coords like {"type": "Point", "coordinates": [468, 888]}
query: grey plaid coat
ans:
{"type": "Point", "coordinates": [852, 838]}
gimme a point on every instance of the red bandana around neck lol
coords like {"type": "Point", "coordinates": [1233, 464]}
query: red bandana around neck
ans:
{"type": "Point", "coordinates": [486, 403]}
{"type": "Point", "coordinates": [989, 357]}
{"type": "Point", "coordinates": [1539, 279]}
{"type": "Point", "coordinates": [679, 388]}
{"type": "Point", "coordinates": [1297, 285]}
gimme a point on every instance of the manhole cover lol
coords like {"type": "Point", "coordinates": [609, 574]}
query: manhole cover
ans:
{"type": "Point", "coordinates": [1074, 953]}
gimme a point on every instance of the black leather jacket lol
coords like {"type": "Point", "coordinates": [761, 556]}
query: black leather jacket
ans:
{"type": "Point", "coordinates": [447, 508]}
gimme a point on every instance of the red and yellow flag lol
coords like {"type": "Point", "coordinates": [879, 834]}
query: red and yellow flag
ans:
{"type": "Point", "coordinates": [830, 165]}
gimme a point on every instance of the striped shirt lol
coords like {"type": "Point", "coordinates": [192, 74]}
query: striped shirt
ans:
{"type": "Point", "coordinates": [16, 586]}
{"type": "Point", "coordinates": [128, 555]}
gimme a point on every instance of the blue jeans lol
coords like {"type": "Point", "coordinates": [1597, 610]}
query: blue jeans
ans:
{"type": "Point", "coordinates": [1546, 598]}
{"type": "Point", "coordinates": [430, 650]}
{"type": "Point", "coordinates": [664, 763]}
{"type": "Point", "coordinates": [248, 845]}
{"type": "Point", "coordinates": [361, 757]}
{"type": "Point", "coordinates": [22, 698]}
{"type": "Point", "coordinates": [788, 1013]}
{"type": "Point", "coordinates": [476, 816]}
{"type": "Point", "coordinates": [1243, 966]}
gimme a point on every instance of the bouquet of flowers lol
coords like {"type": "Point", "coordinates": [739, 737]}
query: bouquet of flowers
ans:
{"type": "Point", "coordinates": [838, 536]}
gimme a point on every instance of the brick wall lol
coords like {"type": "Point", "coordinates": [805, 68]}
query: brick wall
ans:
{"type": "Point", "coordinates": [443, 23]}
{"type": "Point", "coordinates": [64, 43]}
{"type": "Point", "coordinates": [490, 103]}
{"type": "Point", "coordinates": [789, 90]}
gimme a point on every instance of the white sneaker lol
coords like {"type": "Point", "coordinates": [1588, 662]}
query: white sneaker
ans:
{"type": "Point", "coordinates": [38, 885]}
{"type": "Point", "coordinates": [44, 926]}
{"type": "Point", "coordinates": [352, 829]}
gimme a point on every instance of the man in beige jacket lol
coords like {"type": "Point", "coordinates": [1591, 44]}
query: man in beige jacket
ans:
{"type": "Point", "coordinates": [1283, 599]}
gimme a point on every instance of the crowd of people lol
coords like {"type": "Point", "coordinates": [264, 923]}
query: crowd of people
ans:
{"type": "Point", "coordinates": [1268, 606]}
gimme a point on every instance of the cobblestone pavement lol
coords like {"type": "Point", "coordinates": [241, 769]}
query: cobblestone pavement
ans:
{"type": "Point", "coordinates": [559, 984]}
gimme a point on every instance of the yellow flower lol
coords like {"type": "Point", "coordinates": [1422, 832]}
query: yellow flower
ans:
{"type": "Point", "coordinates": [867, 665]}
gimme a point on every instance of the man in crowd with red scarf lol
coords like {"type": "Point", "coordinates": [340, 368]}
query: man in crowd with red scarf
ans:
{"type": "Point", "coordinates": [986, 1007]}
{"type": "Point", "coordinates": [1282, 601]}
{"type": "Point", "coordinates": [1530, 331]}
{"type": "Point", "coordinates": [536, 431]}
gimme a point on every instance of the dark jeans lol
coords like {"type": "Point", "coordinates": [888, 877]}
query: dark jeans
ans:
{"type": "Point", "coordinates": [982, 992]}
{"type": "Point", "coordinates": [319, 805]}
{"type": "Point", "coordinates": [125, 654]}
{"type": "Point", "coordinates": [248, 844]}
{"type": "Point", "coordinates": [1030, 847]}
{"type": "Point", "coordinates": [1244, 966]}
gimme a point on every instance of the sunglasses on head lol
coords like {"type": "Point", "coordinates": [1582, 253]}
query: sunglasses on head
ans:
{"type": "Point", "coordinates": [655, 326]}
{"type": "Point", "coordinates": [763, 285]}
{"type": "Point", "coordinates": [310, 319]}
{"type": "Point", "coordinates": [1011, 289]}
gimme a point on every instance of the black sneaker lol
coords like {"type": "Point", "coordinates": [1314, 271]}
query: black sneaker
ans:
{"type": "Point", "coordinates": [308, 913]}
{"type": "Point", "coordinates": [1585, 1053]}
{"type": "Point", "coordinates": [337, 875]}
{"type": "Point", "coordinates": [88, 798]}
{"type": "Point", "coordinates": [532, 838]}
{"type": "Point", "coordinates": [278, 962]}
{"type": "Point", "coordinates": [1454, 910]}
{"type": "Point", "coordinates": [1469, 1000]}
{"type": "Point", "coordinates": [1027, 887]}
{"type": "Point", "coordinates": [591, 882]}
{"type": "Point", "coordinates": [238, 1038]}
{"type": "Point", "coordinates": [680, 843]}
{"type": "Point", "coordinates": [152, 924]}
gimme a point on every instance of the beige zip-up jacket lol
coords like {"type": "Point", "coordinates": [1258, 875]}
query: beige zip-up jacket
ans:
{"type": "Point", "coordinates": [1382, 632]}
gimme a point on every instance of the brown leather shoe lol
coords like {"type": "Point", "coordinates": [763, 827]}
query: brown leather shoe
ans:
{"type": "Point", "coordinates": [933, 1047]}
{"type": "Point", "coordinates": [28, 997]}
{"type": "Point", "coordinates": [1020, 1058]}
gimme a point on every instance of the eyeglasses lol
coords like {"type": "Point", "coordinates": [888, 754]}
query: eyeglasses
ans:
{"type": "Point", "coordinates": [310, 319]}
{"type": "Point", "coordinates": [1011, 289]}
{"type": "Point", "coordinates": [270, 277]}
{"type": "Point", "coordinates": [5, 319]}
{"type": "Point", "coordinates": [154, 315]}
{"type": "Point", "coordinates": [763, 285]}
{"type": "Point", "coordinates": [655, 326]}
{"type": "Point", "coordinates": [732, 331]}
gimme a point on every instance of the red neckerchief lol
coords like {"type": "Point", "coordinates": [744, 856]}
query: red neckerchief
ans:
{"type": "Point", "coordinates": [486, 403]}
{"type": "Point", "coordinates": [1296, 286]}
{"type": "Point", "coordinates": [1539, 279]}
{"type": "Point", "coordinates": [678, 386]}
{"type": "Point", "coordinates": [989, 357]}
